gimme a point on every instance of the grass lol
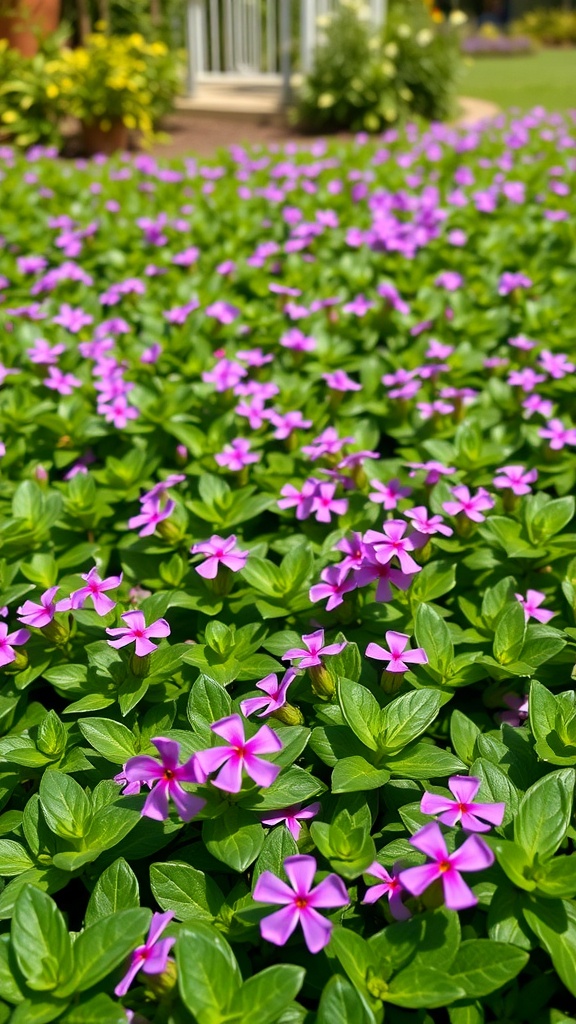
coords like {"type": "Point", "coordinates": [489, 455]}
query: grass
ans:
{"type": "Point", "coordinates": [544, 79]}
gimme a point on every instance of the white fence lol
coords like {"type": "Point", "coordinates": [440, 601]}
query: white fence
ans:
{"type": "Point", "coordinates": [240, 39]}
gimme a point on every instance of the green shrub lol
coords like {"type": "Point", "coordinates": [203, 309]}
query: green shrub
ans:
{"type": "Point", "coordinates": [365, 81]}
{"type": "Point", "coordinates": [551, 27]}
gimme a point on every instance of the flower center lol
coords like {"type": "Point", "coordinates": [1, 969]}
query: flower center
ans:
{"type": "Point", "coordinates": [444, 866]}
{"type": "Point", "coordinates": [463, 808]}
{"type": "Point", "coordinates": [138, 633]}
{"type": "Point", "coordinates": [301, 902]}
{"type": "Point", "coordinates": [168, 774]}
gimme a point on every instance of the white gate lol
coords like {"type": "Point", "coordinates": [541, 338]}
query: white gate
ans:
{"type": "Point", "coordinates": [232, 40]}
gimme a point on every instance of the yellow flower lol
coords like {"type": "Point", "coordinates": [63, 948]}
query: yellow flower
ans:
{"type": "Point", "coordinates": [52, 91]}
{"type": "Point", "coordinates": [129, 120]}
{"type": "Point", "coordinates": [9, 116]}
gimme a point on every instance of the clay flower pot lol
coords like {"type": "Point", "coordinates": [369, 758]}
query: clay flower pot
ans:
{"type": "Point", "coordinates": [27, 22]}
{"type": "Point", "coordinates": [104, 140]}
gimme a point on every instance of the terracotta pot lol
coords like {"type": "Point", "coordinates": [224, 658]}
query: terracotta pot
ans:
{"type": "Point", "coordinates": [28, 22]}
{"type": "Point", "coordinates": [104, 140]}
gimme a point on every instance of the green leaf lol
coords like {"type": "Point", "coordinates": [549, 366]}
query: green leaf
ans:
{"type": "Point", "coordinates": [13, 858]}
{"type": "Point", "coordinates": [510, 633]}
{"type": "Point", "coordinates": [425, 987]}
{"type": "Point", "coordinates": [355, 774]}
{"type": "Point", "coordinates": [544, 814]}
{"type": "Point", "coordinates": [361, 711]}
{"type": "Point", "coordinates": [554, 923]}
{"type": "Point", "coordinates": [116, 889]}
{"type": "Point", "coordinates": [482, 966]}
{"type": "Point", "coordinates": [208, 702]}
{"type": "Point", "coordinates": [100, 1009]}
{"type": "Point", "coordinates": [40, 940]}
{"type": "Point", "coordinates": [407, 717]}
{"type": "Point", "coordinates": [65, 805]}
{"type": "Point", "coordinates": [432, 634]}
{"type": "Point", "coordinates": [278, 844]}
{"type": "Point", "coordinates": [265, 995]}
{"type": "Point", "coordinates": [99, 949]}
{"type": "Point", "coordinates": [424, 761]}
{"type": "Point", "coordinates": [293, 786]}
{"type": "Point", "coordinates": [208, 975]}
{"type": "Point", "coordinates": [463, 735]}
{"type": "Point", "coordinates": [234, 837]}
{"type": "Point", "coordinates": [340, 1003]}
{"type": "Point", "coordinates": [185, 890]}
{"type": "Point", "coordinates": [558, 877]}
{"type": "Point", "coordinates": [111, 739]}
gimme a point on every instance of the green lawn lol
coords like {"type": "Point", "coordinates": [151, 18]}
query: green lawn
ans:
{"type": "Point", "coordinates": [547, 79]}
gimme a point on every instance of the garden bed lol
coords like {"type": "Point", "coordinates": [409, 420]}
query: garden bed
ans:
{"type": "Point", "coordinates": [287, 586]}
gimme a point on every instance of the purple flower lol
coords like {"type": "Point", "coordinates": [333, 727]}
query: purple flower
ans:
{"type": "Point", "coordinates": [292, 817]}
{"type": "Point", "coordinates": [299, 903]}
{"type": "Point", "coordinates": [388, 494]}
{"type": "Point", "coordinates": [391, 886]}
{"type": "Point", "coordinates": [223, 312]}
{"type": "Point", "coordinates": [44, 354]}
{"type": "Point", "coordinates": [473, 855]}
{"type": "Point", "coordinates": [10, 640]}
{"type": "Point", "coordinates": [327, 443]}
{"type": "Point", "coordinates": [516, 478]}
{"type": "Point", "coordinates": [462, 808]}
{"type": "Point", "coordinates": [297, 340]}
{"type": "Point", "coordinates": [313, 651]}
{"type": "Point", "coordinates": [471, 505]}
{"type": "Point", "coordinates": [226, 374]}
{"type": "Point", "coordinates": [527, 378]}
{"type": "Point", "coordinates": [399, 659]}
{"type": "Point", "coordinates": [333, 587]}
{"type": "Point", "coordinates": [426, 524]}
{"type": "Point", "coordinates": [137, 632]}
{"type": "Point", "coordinates": [220, 551]}
{"type": "Point", "coordinates": [63, 383]}
{"type": "Point", "coordinates": [391, 543]}
{"type": "Point", "coordinates": [359, 306]}
{"type": "Point", "coordinates": [324, 504]}
{"type": "Point", "coordinates": [510, 281]}
{"type": "Point", "coordinates": [434, 470]}
{"type": "Point", "coordinates": [340, 381]}
{"type": "Point", "coordinates": [519, 710]}
{"type": "Point", "coordinates": [236, 455]}
{"type": "Point", "coordinates": [164, 776]}
{"type": "Point", "coordinates": [152, 957]}
{"type": "Point", "coordinates": [558, 434]}
{"type": "Point", "coordinates": [152, 513]}
{"type": "Point", "coordinates": [72, 319]}
{"type": "Point", "coordinates": [535, 403]}
{"type": "Point", "coordinates": [38, 615]}
{"type": "Point", "coordinates": [372, 571]}
{"type": "Point", "coordinates": [532, 609]}
{"type": "Point", "coordinates": [95, 588]}
{"type": "Point", "coordinates": [302, 500]}
{"type": "Point", "coordinates": [276, 694]}
{"type": "Point", "coordinates": [450, 280]}
{"type": "Point", "coordinates": [240, 755]}
{"type": "Point", "coordinates": [556, 365]}
{"type": "Point", "coordinates": [287, 422]}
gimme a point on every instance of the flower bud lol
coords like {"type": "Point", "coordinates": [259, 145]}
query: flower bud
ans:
{"type": "Point", "coordinates": [377, 987]}
{"type": "Point", "coordinates": [391, 682]}
{"type": "Point", "coordinates": [20, 661]}
{"type": "Point", "coordinates": [222, 582]}
{"type": "Point", "coordinates": [181, 454]}
{"type": "Point", "coordinates": [169, 531]}
{"type": "Point", "coordinates": [139, 667]}
{"type": "Point", "coordinates": [322, 681]}
{"type": "Point", "coordinates": [56, 632]}
{"type": "Point", "coordinates": [289, 715]}
{"type": "Point", "coordinates": [161, 985]}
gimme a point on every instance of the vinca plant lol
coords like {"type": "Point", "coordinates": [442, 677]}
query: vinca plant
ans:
{"type": "Point", "coordinates": [288, 582]}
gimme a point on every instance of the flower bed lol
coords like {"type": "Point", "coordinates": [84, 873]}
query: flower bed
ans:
{"type": "Point", "coordinates": [287, 585]}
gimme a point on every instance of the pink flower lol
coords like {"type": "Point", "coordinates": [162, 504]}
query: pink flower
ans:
{"type": "Point", "coordinates": [225, 375]}
{"type": "Point", "coordinates": [388, 494]}
{"type": "Point", "coordinates": [516, 478]}
{"type": "Point", "coordinates": [392, 543]}
{"type": "Point", "coordinates": [286, 422]}
{"type": "Point", "coordinates": [399, 659]}
{"type": "Point", "coordinates": [354, 550]}
{"type": "Point", "coordinates": [359, 306]}
{"type": "Point", "coordinates": [426, 524]}
{"type": "Point", "coordinates": [276, 694]}
{"type": "Point", "coordinates": [152, 957]}
{"type": "Point", "coordinates": [164, 776]}
{"type": "Point", "coordinates": [535, 403]}
{"type": "Point", "coordinates": [63, 383]}
{"type": "Point", "coordinates": [510, 281]}
{"type": "Point", "coordinates": [527, 379]}
{"type": "Point", "coordinates": [473, 855]}
{"type": "Point", "coordinates": [95, 588]}
{"type": "Point", "coordinates": [340, 381]}
{"type": "Point", "coordinates": [302, 500]}
{"type": "Point", "coordinates": [532, 610]}
{"type": "Point", "coordinates": [334, 585]}
{"type": "Point", "coordinates": [462, 809]}
{"type": "Point", "coordinates": [220, 551]}
{"type": "Point", "coordinates": [240, 755]}
{"type": "Point", "coordinates": [236, 455]}
{"type": "Point", "coordinates": [371, 571]}
{"type": "Point", "coordinates": [558, 434]}
{"type": "Point", "coordinates": [556, 365]}
{"type": "Point", "coordinates": [152, 513]}
{"type": "Point", "coordinates": [519, 710]}
{"type": "Point", "coordinates": [327, 443]}
{"type": "Point", "coordinates": [434, 470]}
{"type": "Point", "coordinates": [224, 312]}
{"type": "Point", "coordinates": [297, 340]}
{"type": "Point", "coordinates": [471, 505]}
{"type": "Point", "coordinates": [299, 903]}
{"type": "Point", "coordinates": [324, 504]}
{"type": "Point", "coordinates": [313, 651]}
{"type": "Point", "coordinates": [292, 817]}
{"type": "Point", "coordinates": [391, 886]}
{"type": "Point", "coordinates": [10, 640]}
{"type": "Point", "coordinates": [137, 632]}
{"type": "Point", "coordinates": [450, 280]}
{"type": "Point", "coordinates": [39, 615]}
{"type": "Point", "coordinates": [44, 354]}
{"type": "Point", "coordinates": [436, 408]}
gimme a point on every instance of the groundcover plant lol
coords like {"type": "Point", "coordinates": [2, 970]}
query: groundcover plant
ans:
{"type": "Point", "coordinates": [288, 583]}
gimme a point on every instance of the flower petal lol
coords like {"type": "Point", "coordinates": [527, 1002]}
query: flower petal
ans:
{"type": "Point", "coordinates": [278, 927]}
{"type": "Point", "coordinates": [464, 787]}
{"type": "Point", "coordinates": [271, 889]}
{"type": "Point", "coordinates": [457, 894]}
{"type": "Point", "coordinates": [300, 870]}
{"type": "Point", "coordinates": [416, 880]}
{"type": "Point", "coordinates": [431, 841]}
{"type": "Point", "coordinates": [317, 930]}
